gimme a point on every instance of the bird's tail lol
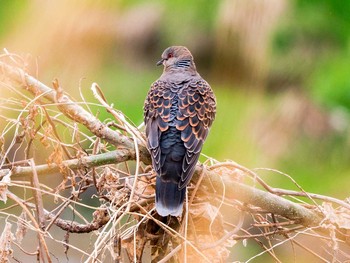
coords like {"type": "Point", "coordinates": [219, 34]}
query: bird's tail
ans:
{"type": "Point", "coordinates": [169, 198]}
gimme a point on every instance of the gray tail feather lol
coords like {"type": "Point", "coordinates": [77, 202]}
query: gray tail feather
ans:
{"type": "Point", "coordinates": [169, 198]}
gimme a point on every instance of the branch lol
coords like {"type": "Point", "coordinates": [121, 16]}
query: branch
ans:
{"type": "Point", "coordinates": [72, 110]}
{"type": "Point", "coordinates": [267, 201]}
{"type": "Point", "coordinates": [117, 156]}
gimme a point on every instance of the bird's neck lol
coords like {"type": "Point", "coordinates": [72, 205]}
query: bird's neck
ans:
{"type": "Point", "coordinates": [185, 63]}
{"type": "Point", "coordinates": [182, 65]}
{"type": "Point", "coordinates": [178, 74]}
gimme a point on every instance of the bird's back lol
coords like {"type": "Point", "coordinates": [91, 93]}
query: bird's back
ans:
{"type": "Point", "coordinates": [178, 112]}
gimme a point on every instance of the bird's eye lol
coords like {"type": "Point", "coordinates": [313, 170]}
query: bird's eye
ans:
{"type": "Point", "coordinates": [170, 55]}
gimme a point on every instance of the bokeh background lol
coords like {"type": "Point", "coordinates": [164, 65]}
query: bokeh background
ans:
{"type": "Point", "coordinates": [280, 70]}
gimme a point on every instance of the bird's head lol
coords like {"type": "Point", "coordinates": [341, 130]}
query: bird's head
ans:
{"type": "Point", "coordinates": [176, 57]}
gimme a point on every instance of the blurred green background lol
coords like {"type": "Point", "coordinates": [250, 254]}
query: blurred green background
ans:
{"type": "Point", "coordinates": [280, 71]}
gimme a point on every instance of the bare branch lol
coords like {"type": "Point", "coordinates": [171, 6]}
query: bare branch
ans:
{"type": "Point", "coordinates": [117, 156]}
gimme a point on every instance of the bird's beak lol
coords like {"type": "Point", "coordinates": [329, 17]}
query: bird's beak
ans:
{"type": "Point", "coordinates": [160, 62]}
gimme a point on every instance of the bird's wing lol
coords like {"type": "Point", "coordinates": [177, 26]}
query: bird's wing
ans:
{"type": "Point", "coordinates": [197, 108]}
{"type": "Point", "coordinates": [156, 118]}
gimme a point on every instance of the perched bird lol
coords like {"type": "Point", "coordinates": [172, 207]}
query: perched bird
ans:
{"type": "Point", "coordinates": [178, 112]}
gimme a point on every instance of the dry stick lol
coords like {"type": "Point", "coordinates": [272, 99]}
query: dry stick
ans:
{"type": "Point", "coordinates": [40, 233]}
{"type": "Point", "coordinates": [67, 225]}
{"type": "Point", "coordinates": [272, 233]}
{"type": "Point", "coordinates": [94, 152]}
{"type": "Point", "coordinates": [227, 236]}
{"type": "Point", "coordinates": [170, 255]}
{"type": "Point", "coordinates": [309, 250]}
{"type": "Point", "coordinates": [262, 245]}
{"type": "Point", "coordinates": [265, 200]}
{"type": "Point", "coordinates": [66, 203]}
{"type": "Point", "coordinates": [39, 206]}
{"type": "Point", "coordinates": [37, 195]}
{"type": "Point", "coordinates": [112, 157]}
{"type": "Point", "coordinates": [283, 192]}
{"type": "Point", "coordinates": [74, 227]}
{"type": "Point", "coordinates": [54, 130]}
{"type": "Point", "coordinates": [117, 114]}
{"type": "Point", "coordinates": [54, 218]}
{"type": "Point", "coordinates": [278, 191]}
{"type": "Point", "coordinates": [27, 201]}
{"type": "Point", "coordinates": [16, 124]}
{"type": "Point", "coordinates": [25, 252]}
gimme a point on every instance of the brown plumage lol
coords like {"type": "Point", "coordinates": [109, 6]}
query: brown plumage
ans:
{"type": "Point", "coordinates": [178, 112]}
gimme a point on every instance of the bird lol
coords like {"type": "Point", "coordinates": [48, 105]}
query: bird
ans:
{"type": "Point", "coordinates": [179, 110]}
